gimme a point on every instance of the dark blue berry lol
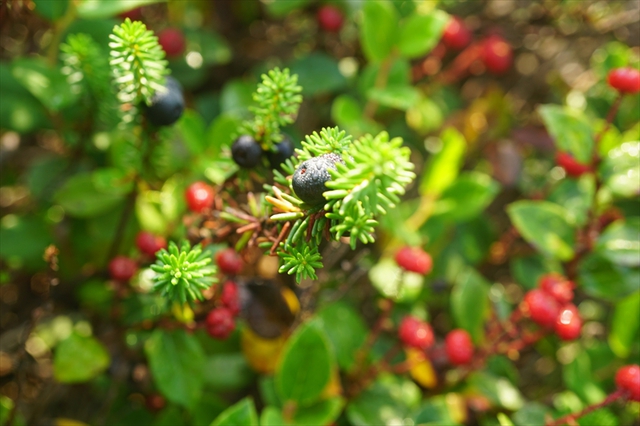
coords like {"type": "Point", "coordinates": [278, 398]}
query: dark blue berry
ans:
{"type": "Point", "coordinates": [310, 177]}
{"type": "Point", "coordinates": [246, 152]}
{"type": "Point", "coordinates": [283, 151]}
{"type": "Point", "coordinates": [166, 105]}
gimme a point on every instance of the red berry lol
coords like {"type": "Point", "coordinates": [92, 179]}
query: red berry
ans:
{"type": "Point", "coordinates": [628, 379]}
{"type": "Point", "coordinates": [229, 297]}
{"type": "Point", "coordinates": [568, 323]}
{"type": "Point", "coordinates": [155, 402]}
{"type": "Point", "coordinates": [459, 347]}
{"type": "Point", "coordinates": [497, 54]}
{"type": "Point", "coordinates": [456, 35]}
{"type": "Point", "coordinates": [542, 308]}
{"type": "Point", "coordinates": [149, 244]}
{"type": "Point", "coordinates": [172, 41]}
{"type": "Point", "coordinates": [122, 268]}
{"type": "Point", "coordinates": [625, 80]}
{"type": "Point", "coordinates": [199, 196]}
{"type": "Point", "coordinates": [219, 323]}
{"type": "Point", "coordinates": [570, 165]}
{"type": "Point", "coordinates": [414, 259]}
{"type": "Point", "coordinates": [330, 18]}
{"type": "Point", "coordinates": [415, 333]}
{"type": "Point", "coordinates": [133, 14]}
{"type": "Point", "coordinates": [229, 261]}
{"type": "Point", "coordinates": [558, 286]}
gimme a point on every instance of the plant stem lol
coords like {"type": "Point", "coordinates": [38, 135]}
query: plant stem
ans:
{"type": "Point", "coordinates": [610, 116]}
{"type": "Point", "coordinates": [571, 418]}
{"type": "Point", "coordinates": [59, 28]}
{"type": "Point", "coordinates": [380, 83]}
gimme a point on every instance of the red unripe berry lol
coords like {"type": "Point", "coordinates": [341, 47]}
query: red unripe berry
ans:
{"type": "Point", "coordinates": [459, 347]}
{"type": "Point", "coordinates": [558, 286]}
{"type": "Point", "coordinates": [330, 18]}
{"type": "Point", "coordinates": [571, 165]}
{"type": "Point", "coordinates": [133, 14]}
{"type": "Point", "coordinates": [628, 379]}
{"type": "Point", "coordinates": [568, 323]}
{"type": "Point", "coordinates": [624, 80]}
{"type": "Point", "coordinates": [230, 298]}
{"type": "Point", "coordinates": [122, 268]}
{"type": "Point", "coordinates": [414, 259]}
{"type": "Point", "coordinates": [199, 196]}
{"type": "Point", "coordinates": [172, 41]}
{"type": "Point", "coordinates": [497, 54]}
{"type": "Point", "coordinates": [456, 35]}
{"type": "Point", "coordinates": [542, 307]}
{"type": "Point", "coordinates": [415, 333]}
{"type": "Point", "coordinates": [229, 261]}
{"type": "Point", "coordinates": [149, 244]}
{"type": "Point", "coordinates": [220, 323]}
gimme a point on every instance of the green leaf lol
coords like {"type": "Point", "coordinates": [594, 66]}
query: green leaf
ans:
{"type": "Point", "coordinates": [378, 29]}
{"type": "Point", "coordinates": [241, 413]}
{"type": "Point", "coordinates": [280, 8]}
{"type": "Point", "coordinates": [390, 400]}
{"type": "Point", "coordinates": [394, 282]}
{"type": "Point", "coordinates": [467, 197]}
{"type": "Point", "coordinates": [470, 303]}
{"type": "Point", "coordinates": [227, 371]}
{"type": "Point", "coordinates": [420, 33]}
{"type": "Point", "coordinates": [425, 116]}
{"type": "Point", "coordinates": [113, 181]}
{"type": "Point", "coordinates": [620, 169]}
{"type": "Point", "coordinates": [399, 97]}
{"type": "Point", "coordinates": [528, 270]}
{"type": "Point", "coordinates": [532, 413]}
{"type": "Point", "coordinates": [79, 358]}
{"type": "Point", "coordinates": [619, 242]}
{"type": "Point", "coordinates": [6, 407]}
{"type": "Point", "coordinates": [80, 197]}
{"type": "Point", "coordinates": [192, 130]}
{"type": "Point", "coordinates": [320, 413]}
{"type": "Point", "coordinates": [346, 112]}
{"type": "Point", "coordinates": [578, 377]}
{"type": "Point", "coordinates": [51, 10]}
{"type": "Point", "coordinates": [100, 9]}
{"type": "Point", "coordinates": [236, 97]}
{"type": "Point", "coordinates": [576, 196]}
{"type": "Point", "coordinates": [571, 131]}
{"type": "Point", "coordinates": [271, 416]}
{"type": "Point", "coordinates": [305, 367]}
{"type": "Point", "coordinates": [221, 132]}
{"type": "Point", "coordinates": [498, 390]}
{"type": "Point", "coordinates": [602, 279]}
{"type": "Point", "coordinates": [443, 168]}
{"type": "Point", "coordinates": [435, 411]}
{"type": "Point", "coordinates": [346, 331]}
{"type": "Point", "coordinates": [47, 84]}
{"type": "Point", "coordinates": [24, 239]}
{"type": "Point", "coordinates": [546, 225]}
{"type": "Point", "coordinates": [625, 325]}
{"type": "Point", "coordinates": [318, 73]}
{"type": "Point", "coordinates": [176, 361]}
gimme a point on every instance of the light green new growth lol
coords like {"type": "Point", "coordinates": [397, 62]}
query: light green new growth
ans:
{"type": "Point", "coordinates": [278, 99]}
{"type": "Point", "coordinates": [137, 63]}
{"type": "Point", "coordinates": [183, 273]}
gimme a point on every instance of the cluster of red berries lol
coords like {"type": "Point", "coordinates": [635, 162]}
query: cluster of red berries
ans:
{"type": "Point", "coordinates": [628, 380]}
{"type": "Point", "coordinates": [550, 306]}
{"type": "Point", "coordinates": [123, 268]}
{"type": "Point", "coordinates": [418, 334]}
{"type": "Point", "coordinates": [496, 53]}
{"type": "Point", "coordinates": [220, 322]}
{"type": "Point", "coordinates": [414, 259]}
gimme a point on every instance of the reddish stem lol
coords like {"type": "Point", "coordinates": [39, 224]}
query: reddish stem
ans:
{"type": "Point", "coordinates": [571, 418]}
{"type": "Point", "coordinates": [460, 66]}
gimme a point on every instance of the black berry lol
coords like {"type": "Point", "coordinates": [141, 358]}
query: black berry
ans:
{"type": "Point", "coordinates": [246, 152]}
{"type": "Point", "coordinates": [167, 105]}
{"type": "Point", "coordinates": [284, 150]}
{"type": "Point", "coordinates": [310, 178]}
